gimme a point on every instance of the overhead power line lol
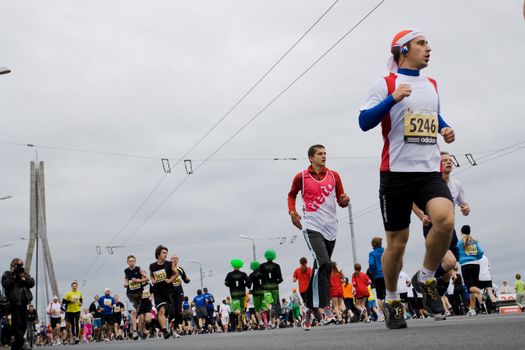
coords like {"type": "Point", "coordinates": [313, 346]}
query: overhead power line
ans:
{"type": "Point", "coordinates": [495, 154]}
{"type": "Point", "coordinates": [236, 104]}
{"type": "Point", "coordinates": [244, 159]}
{"type": "Point", "coordinates": [165, 161]}
{"type": "Point", "coordinates": [138, 209]}
{"type": "Point", "coordinates": [79, 150]}
{"type": "Point", "coordinates": [366, 210]}
{"type": "Point", "coordinates": [253, 118]}
{"type": "Point", "coordinates": [223, 117]}
{"type": "Point", "coordinates": [167, 167]}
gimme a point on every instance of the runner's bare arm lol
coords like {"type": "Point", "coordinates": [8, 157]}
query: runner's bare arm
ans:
{"type": "Point", "coordinates": [144, 275]}
{"type": "Point", "coordinates": [465, 209]}
{"type": "Point", "coordinates": [421, 215]}
{"type": "Point", "coordinates": [152, 278]}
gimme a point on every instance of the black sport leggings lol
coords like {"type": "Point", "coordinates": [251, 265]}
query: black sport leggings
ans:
{"type": "Point", "coordinates": [177, 306]}
{"type": "Point", "coordinates": [74, 320]}
{"type": "Point", "coordinates": [318, 293]}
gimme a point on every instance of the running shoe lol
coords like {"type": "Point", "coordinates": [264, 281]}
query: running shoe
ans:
{"type": "Point", "coordinates": [471, 312]}
{"type": "Point", "coordinates": [328, 317]}
{"type": "Point", "coordinates": [135, 335]}
{"type": "Point", "coordinates": [440, 317]}
{"type": "Point", "coordinates": [165, 334]}
{"type": "Point", "coordinates": [431, 299]}
{"type": "Point", "coordinates": [362, 316]}
{"type": "Point", "coordinates": [176, 335]}
{"type": "Point", "coordinates": [483, 308]}
{"type": "Point", "coordinates": [307, 322]}
{"type": "Point", "coordinates": [394, 312]}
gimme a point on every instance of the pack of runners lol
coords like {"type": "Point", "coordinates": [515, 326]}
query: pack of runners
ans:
{"type": "Point", "coordinates": [255, 301]}
{"type": "Point", "coordinates": [415, 177]}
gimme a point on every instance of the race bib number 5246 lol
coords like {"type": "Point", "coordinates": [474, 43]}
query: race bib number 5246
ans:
{"type": "Point", "coordinates": [420, 128]}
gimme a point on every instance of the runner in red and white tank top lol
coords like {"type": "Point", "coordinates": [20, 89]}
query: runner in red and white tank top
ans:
{"type": "Point", "coordinates": [320, 213]}
{"type": "Point", "coordinates": [321, 188]}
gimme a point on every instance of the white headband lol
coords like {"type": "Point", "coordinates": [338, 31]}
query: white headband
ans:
{"type": "Point", "coordinates": [391, 64]}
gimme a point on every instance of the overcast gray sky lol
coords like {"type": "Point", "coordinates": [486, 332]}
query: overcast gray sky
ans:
{"type": "Point", "coordinates": [149, 78]}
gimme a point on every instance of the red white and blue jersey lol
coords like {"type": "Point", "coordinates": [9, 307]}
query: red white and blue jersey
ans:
{"type": "Point", "coordinates": [410, 128]}
{"type": "Point", "coordinates": [319, 197]}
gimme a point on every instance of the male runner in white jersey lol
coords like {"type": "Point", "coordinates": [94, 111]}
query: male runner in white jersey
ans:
{"type": "Point", "coordinates": [445, 270]}
{"type": "Point", "coordinates": [321, 188]}
{"type": "Point", "coordinates": [53, 310]}
{"type": "Point", "coordinates": [407, 106]}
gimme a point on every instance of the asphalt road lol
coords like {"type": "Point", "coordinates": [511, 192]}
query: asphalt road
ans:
{"type": "Point", "coordinates": [479, 332]}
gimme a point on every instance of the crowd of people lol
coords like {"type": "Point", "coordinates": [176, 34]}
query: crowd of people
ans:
{"type": "Point", "coordinates": [415, 177]}
{"type": "Point", "coordinates": [254, 302]}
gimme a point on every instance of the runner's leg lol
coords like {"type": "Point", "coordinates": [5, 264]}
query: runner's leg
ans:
{"type": "Point", "coordinates": [392, 260]}
{"type": "Point", "coordinates": [318, 293]}
{"type": "Point", "coordinates": [437, 243]}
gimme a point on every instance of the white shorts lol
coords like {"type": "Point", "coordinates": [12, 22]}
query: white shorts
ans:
{"type": "Point", "coordinates": [225, 320]}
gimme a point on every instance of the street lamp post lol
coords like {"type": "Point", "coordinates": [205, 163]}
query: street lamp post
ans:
{"type": "Point", "coordinates": [200, 270]}
{"type": "Point", "coordinates": [4, 70]}
{"type": "Point", "coordinates": [253, 244]}
{"type": "Point", "coordinates": [352, 234]}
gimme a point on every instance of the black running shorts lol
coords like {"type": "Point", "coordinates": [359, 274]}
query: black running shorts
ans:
{"type": "Point", "coordinates": [55, 321]}
{"type": "Point", "coordinates": [145, 307]}
{"type": "Point", "coordinates": [162, 300]}
{"type": "Point", "coordinates": [107, 319]}
{"type": "Point", "coordinates": [380, 288]}
{"type": "Point", "coordinates": [117, 318]}
{"type": "Point", "coordinates": [398, 191]}
{"type": "Point", "coordinates": [135, 299]}
{"type": "Point", "coordinates": [485, 284]}
{"type": "Point", "coordinates": [470, 274]}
